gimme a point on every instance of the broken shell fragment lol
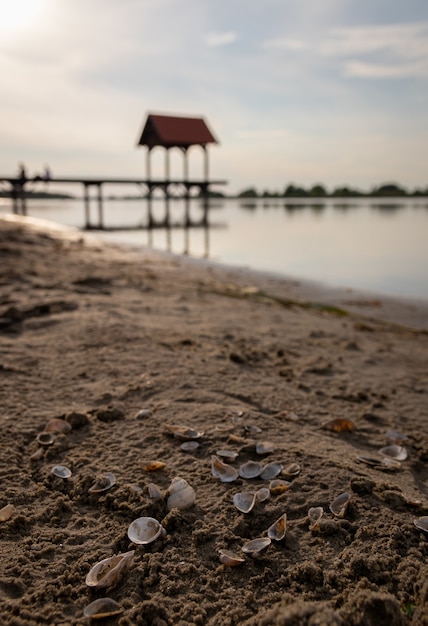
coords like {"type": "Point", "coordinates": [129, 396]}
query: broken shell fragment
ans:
{"type": "Point", "coordinates": [315, 513]}
{"type": "Point", "coordinates": [145, 530]}
{"type": "Point", "coordinates": [227, 557]}
{"type": "Point", "coordinates": [61, 471]}
{"type": "Point", "coordinates": [262, 494]}
{"type": "Point", "coordinates": [101, 608]}
{"type": "Point", "coordinates": [422, 523]}
{"type": "Point", "coordinates": [58, 425]}
{"type": "Point", "coordinates": [180, 494]}
{"type": "Point", "coordinates": [278, 486]}
{"type": "Point", "coordinates": [291, 470]}
{"type": "Point", "coordinates": [244, 501]}
{"type": "Point", "coordinates": [255, 547]}
{"type": "Point", "coordinates": [38, 454]}
{"type": "Point", "coordinates": [250, 469]}
{"type": "Point", "coordinates": [154, 492]}
{"type": "Point", "coordinates": [6, 512]}
{"type": "Point", "coordinates": [340, 504]}
{"type": "Point", "coordinates": [265, 447]}
{"type": "Point", "coordinates": [271, 470]}
{"type": "Point", "coordinates": [143, 414]}
{"type": "Point", "coordinates": [45, 439]}
{"type": "Point", "coordinates": [107, 573]}
{"type": "Point", "coordinates": [226, 473]}
{"type": "Point", "coordinates": [228, 455]}
{"type": "Point", "coordinates": [189, 446]}
{"type": "Point", "coordinates": [183, 432]}
{"type": "Point", "coordinates": [394, 451]}
{"type": "Point", "coordinates": [278, 529]}
{"type": "Point", "coordinates": [339, 425]}
{"type": "Point", "coordinates": [252, 429]}
{"type": "Point", "coordinates": [153, 466]}
{"type": "Point", "coordinates": [103, 483]}
{"type": "Point", "coordinates": [384, 463]}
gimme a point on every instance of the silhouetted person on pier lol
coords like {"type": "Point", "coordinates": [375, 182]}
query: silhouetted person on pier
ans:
{"type": "Point", "coordinates": [22, 174]}
{"type": "Point", "coordinates": [47, 174]}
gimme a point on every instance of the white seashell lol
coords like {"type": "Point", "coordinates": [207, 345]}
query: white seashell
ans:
{"type": "Point", "coordinates": [252, 429]}
{"type": "Point", "coordinates": [229, 455]}
{"type": "Point", "coordinates": [250, 469]}
{"type": "Point", "coordinates": [189, 446]}
{"type": "Point", "coordinates": [45, 439]}
{"type": "Point", "coordinates": [102, 607]}
{"type": "Point", "coordinates": [398, 453]}
{"type": "Point", "coordinates": [381, 462]}
{"type": "Point", "coordinates": [226, 473]}
{"type": "Point", "coordinates": [262, 494]}
{"type": "Point", "coordinates": [265, 447]}
{"type": "Point", "coordinates": [143, 414]}
{"type": "Point", "coordinates": [278, 486]}
{"type": "Point", "coordinates": [291, 470]}
{"type": "Point", "coordinates": [255, 547]}
{"type": "Point", "coordinates": [422, 523]}
{"type": "Point", "coordinates": [183, 432]}
{"type": "Point", "coordinates": [103, 483]}
{"type": "Point", "coordinates": [61, 471]}
{"type": "Point", "coordinates": [144, 530]}
{"type": "Point", "coordinates": [181, 494]}
{"type": "Point", "coordinates": [230, 558]}
{"type": "Point", "coordinates": [107, 573]}
{"type": "Point", "coordinates": [271, 470]}
{"type": "Point", "coordinates": [314, 515]}
{"type": "Point", "coordinates": [6, 512]}
{"type": "Point", "coordinates": [340, 504]}
{"type": "Point", "coordinates": [278, 528]}
{"type": "Point", "coordinates": [244, 501]}
{"type": "Point", "coordinates": [154, 492]}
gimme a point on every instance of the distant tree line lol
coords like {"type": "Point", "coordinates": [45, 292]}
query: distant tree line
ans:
{"type": "Point", "coordinates": [319, 191]}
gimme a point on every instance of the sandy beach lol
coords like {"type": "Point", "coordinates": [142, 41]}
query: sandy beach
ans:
{"type": "Point", "coordinates": [105, 351]}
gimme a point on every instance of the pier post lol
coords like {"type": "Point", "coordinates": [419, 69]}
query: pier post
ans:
{"type": "Point", "coordinates": [100, 207]}
{"type": "Point", "coordinates": [87, 209]}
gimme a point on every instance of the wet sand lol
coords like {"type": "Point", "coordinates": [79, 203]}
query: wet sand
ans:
{"type": "Point", "coordinates": [120, 344]}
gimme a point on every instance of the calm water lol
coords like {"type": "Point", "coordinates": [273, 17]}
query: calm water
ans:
{"type": "Point", "coordinates": [369, 244]}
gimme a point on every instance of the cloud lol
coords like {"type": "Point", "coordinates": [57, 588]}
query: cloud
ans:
{"type": "Point", "coordinates": [220, 39]}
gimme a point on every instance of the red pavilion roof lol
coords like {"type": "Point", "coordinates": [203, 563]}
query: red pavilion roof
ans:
{"type": "Point", "coordinates": [174, 131]}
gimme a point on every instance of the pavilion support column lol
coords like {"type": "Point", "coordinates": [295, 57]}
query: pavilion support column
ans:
{"type": "Point", "coordinates": [167, 165]}
{"type": "Point", "coordinates": [149, 193]}
{"type": "Point", "coordinates": [14, 193]}
{"type": "Point", "coordinates": [87, 210]}
{"type": "Point", "coordinates": [206, 164]}
{"type": "Point", "coordinates": [100, 207]}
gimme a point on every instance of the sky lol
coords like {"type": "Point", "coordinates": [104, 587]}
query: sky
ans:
{"type": "Point", "coordinates": [296, 91]}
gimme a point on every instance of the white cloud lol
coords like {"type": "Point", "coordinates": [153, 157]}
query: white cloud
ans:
{"type": "Point", "coordinates": [220, 39]}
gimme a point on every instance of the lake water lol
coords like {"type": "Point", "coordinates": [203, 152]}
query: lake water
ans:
{"type": "Point", "coordinates": [368, 244]}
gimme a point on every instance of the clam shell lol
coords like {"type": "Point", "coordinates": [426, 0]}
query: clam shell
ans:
{"type": "Point", "coordinates": [103, 483]}
{"type": "Point", "coordinates": [271, 470]}
{"type": "Point", "coordinates": [183, 432]}
{"type": "Point", "coordinates": [422, 523]}
{"type": "Point", "coordinates": [293, 469]}
{"type": "Point", "coordinates": [61, 471]}
{"type": "Point", "coordinates": [227, 557]}
{"type": "Point", "coordinates": [340, 504]}
{"type": "Point", "coordinates": [250, 469]}
{"type": "Point", "coordinates": [244, 501]}
{"type": "Point", "coordinates": [315, 513]}
{"type": "Point", "coordinates": [278, 486]}
{"type": "Point", "coordinates": [255, 547]}
{"type": "Point", "coordinates": [144, 530]}
{"type": "Point", "coordinates": [189, 446]}
{"type": "Point", "coordinates": [262, 494]}
{"type": "Point", "coordinates": [58, 425]}
{"type": "Point", "coordinates": [181, 494]}
{"type": "Point", "coordinates": [252, 429]}
{"type": "Point", "coordinates": [394, 451]}
{"type": "Point", "coordinates": [278, 529]}
{"type": "Point", "coordinates": [102, 607]}
{"type": "Point", "coordinates": [45, 439]}
{"type": "Point", "coordinates": [265, 447]}
{"type": "Point", "coordinates": [395, 437]}
{"type": "Point", "coordinates": [154, 492]}
{"type": "Point", "coordinates": [38, 454]}
{"type": "Point", "coordinates": [383, 463]}
{"type": "Point", "coordinates": [228, 455]}
{"type": "Point", "coordinates": [339, 425]}
{"type": "Point", "coordinates": [143, 414]}
{"type": "Point", "coordinates": [153, 466]}
{"type": "Point", "coordinates": [6, 512]}
{"type": "Point", "coordinates": [107, 573]}
{"type": "Point", "coordinates": [226, 473]}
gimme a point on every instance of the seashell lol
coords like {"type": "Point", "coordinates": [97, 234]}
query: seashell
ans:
{"type": "Point", "coordinates": [226, 473]}
{"type": "Point", "coordinates": [394, 451]}
{"type": "Point", "coordinates": [145, 530]}
{"type": "Point", "coordinates": [189, 446]}
{"type": "Point", "coordinates": [271, 470]}
{"type": "Point", "coordinates": [58, 425]}
{"type": "Point", "coordinates": [262, 494]}
{"type": "Point", "coordinates": [45, 439]}
{"type": "Point", "coordinates": [265, 447]}
{"type": "Point", "coordinates": [224, 428]}
{"type": "Point", "coordinates": [183, 432]}
{"type": "Point", "coordinates": [244, 501]}
{"type": "Point", "coordinates": [255, 547]}
{"type": "Point", "coordinates": [291, 470]}
{"type": "Point", "coordinates": [143, 414]}
{"type": "Point", "coordinates": [181, 494]}
{"type": "Point", "coordinates": [153, 466]}
{"type": "Point", "coordinates": [339, 425]}
{"type": "Point", "coordinates": [154, 492]}
{"type": "Point", "coordinates": [278, 486]}
{"type": "Point", "coordinates": [314, 515]}
{"type": "Point", "coordinates": [227, 557]}
{"type": "Point", "coordinates": [422, 523]}
{"type": "Point", "coordinates": [252, 429]}
{"type": "Point", "coordinates": [395, 437]}
{"type": "Point", "coordinates": [390, 464]}
{"type": "Point", "coordinates": [340, 504]}
{"type": "Point", "coordinates": [103, 483]}
{"type": "Point", "coordinates": [107, 573]}
{"type": "Point", "coordinates": [383, 463]}
{"type": "Point", "coordinates": [61, 471]}
{"type": "Point", "coordinates": [278, 528]}
{"type": "Point", "coordinates": [250, 469]}
{"type": "Point", "coordinates": [229, 455]}
{"type": "Point", "coordinates": [6, 512]}
{"type": "Point", "coordinates": [38, 454]}
{"type": "Point", "coordinates": [102, 607]}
